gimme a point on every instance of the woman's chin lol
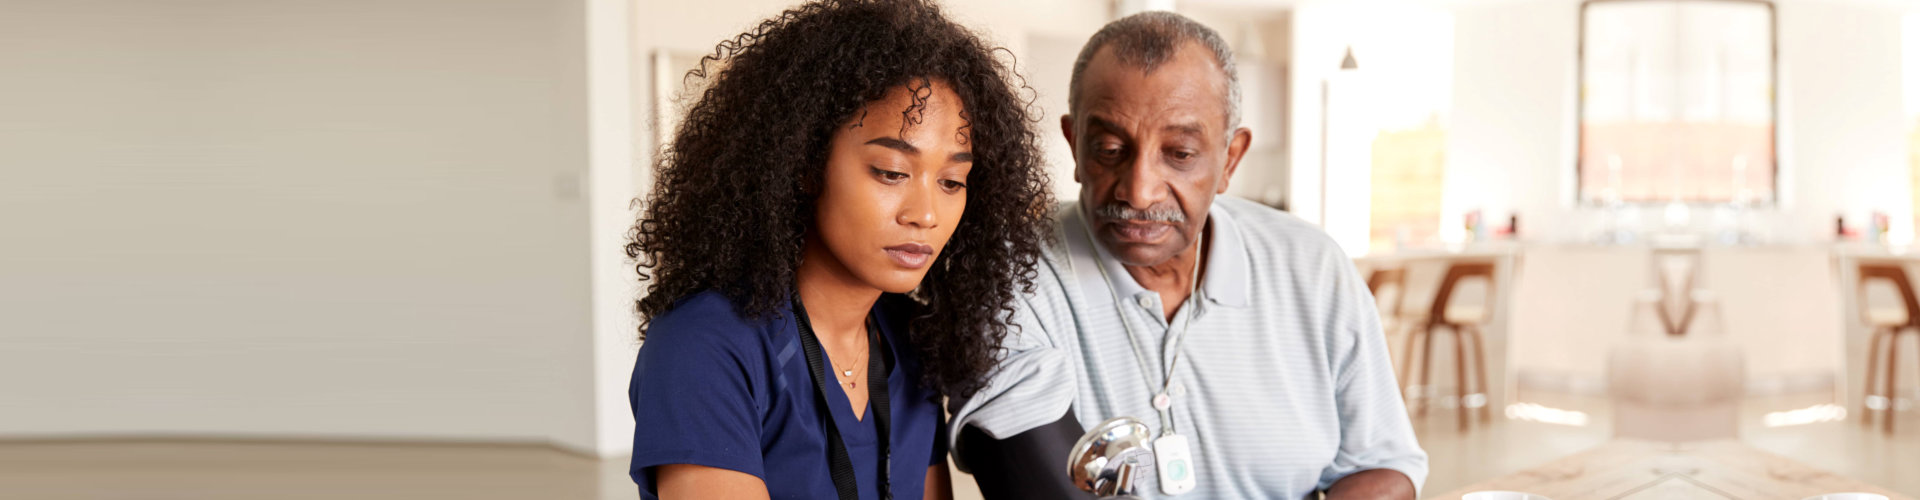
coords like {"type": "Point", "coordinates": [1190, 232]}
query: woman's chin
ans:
{"type": "Point", "coordinates": [895, 281]}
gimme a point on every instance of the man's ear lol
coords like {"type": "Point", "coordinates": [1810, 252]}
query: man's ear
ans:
{"type": "Point", "coordinates": [1236, 149]}
{"type": "Point", "coordinates": [1073, 149]}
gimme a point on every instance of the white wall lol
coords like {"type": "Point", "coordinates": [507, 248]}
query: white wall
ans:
{"type": "Point", "coordinates": [1317, 48]}
{"type": "Point", "coordinates": [298, 218]}
{"type": "Point", "coordinates": [1842, 137]}
{"type": "Point", "coordinates": [1509, 141]}
{"type": "Point", "coordinates": [1843, 99]}
{"type": "Point", "coordinates": [615, 173]}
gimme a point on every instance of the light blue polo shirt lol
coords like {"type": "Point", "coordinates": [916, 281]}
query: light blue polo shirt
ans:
{"type": "Point", "coordinates": [1284, 383]}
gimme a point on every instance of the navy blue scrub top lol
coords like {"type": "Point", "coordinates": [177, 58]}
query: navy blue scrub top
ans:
{"type": "Point", "coordinates": [716, 389]}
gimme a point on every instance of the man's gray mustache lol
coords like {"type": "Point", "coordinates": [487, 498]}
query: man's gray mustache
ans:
{"type": "Point", "coordinates": [1156, 214]}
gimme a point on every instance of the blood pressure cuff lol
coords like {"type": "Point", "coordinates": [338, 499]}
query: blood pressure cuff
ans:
{"type": "Point", "coordinates": [1031, 465]}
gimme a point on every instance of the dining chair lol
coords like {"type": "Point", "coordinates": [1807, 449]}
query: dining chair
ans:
{"type": "Point", "coordinates": [1668, 386]}
{"type": "Point", "coordinates": [1888, 325]}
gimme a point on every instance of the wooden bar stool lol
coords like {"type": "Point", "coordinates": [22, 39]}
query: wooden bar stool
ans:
{"type": "Point", "coordinates": [1887, 325]}
{"type": "Point", "coordinates": [1389, 287]}
{"type": "Point", "coordinates": [1467, 326]}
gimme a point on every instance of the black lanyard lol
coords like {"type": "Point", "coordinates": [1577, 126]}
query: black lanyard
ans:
{"type": "Point", "coordinates": [877, 368]}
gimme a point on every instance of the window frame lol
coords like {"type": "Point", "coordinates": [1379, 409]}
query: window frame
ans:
{"type": "Point", "coordinates": [1580, 107]}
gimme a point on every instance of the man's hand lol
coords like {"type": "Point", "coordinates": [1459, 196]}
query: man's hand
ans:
{"type": "Point", "coordinates": [1372, 484]}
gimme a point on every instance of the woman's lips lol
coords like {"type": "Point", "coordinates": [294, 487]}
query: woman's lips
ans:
{"type": "Point", "coordinates": [910, 255]}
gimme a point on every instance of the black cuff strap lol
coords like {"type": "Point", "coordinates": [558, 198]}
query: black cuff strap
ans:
{"type": "Point", "coordinates": [1030, 465]}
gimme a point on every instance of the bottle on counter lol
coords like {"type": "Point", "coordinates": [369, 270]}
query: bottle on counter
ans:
{"type": "Point", "coordinates": [1475, 227]}
{"type": "Point", "coordinates": [1877, 228]}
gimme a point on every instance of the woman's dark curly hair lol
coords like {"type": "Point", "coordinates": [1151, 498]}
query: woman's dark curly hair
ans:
{"type": "Point", "coordinates": [734, 198]}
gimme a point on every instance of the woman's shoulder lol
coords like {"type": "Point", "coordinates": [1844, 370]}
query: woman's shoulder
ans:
{"type": "Point", "coordinates": [711, 319]}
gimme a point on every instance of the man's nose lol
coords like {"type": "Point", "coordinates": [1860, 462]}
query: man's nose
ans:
{"type": "Point", "coordinates": [1141, 183]}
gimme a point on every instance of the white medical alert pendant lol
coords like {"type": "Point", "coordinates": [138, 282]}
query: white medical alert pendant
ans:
{"type": "Point", "coordinates": [1173, 459]}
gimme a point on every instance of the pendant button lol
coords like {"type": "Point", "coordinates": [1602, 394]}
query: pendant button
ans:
{"type": "Point", "coordinates": [1162, 402]}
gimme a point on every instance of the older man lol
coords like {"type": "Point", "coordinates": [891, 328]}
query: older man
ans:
{"type": "Point", "coordinates": [1239, 329]}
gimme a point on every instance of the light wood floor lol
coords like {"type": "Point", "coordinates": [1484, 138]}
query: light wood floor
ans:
{"type": "Point", "coordinates": [1506, 446]}
{"type": "Point", "coordinates": [221, 470]}
{"type": "Point", "coordinates": [170, 469]}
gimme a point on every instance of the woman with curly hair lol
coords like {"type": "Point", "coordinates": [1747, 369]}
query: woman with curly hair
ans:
{"type": "Point", "coordinates": [837, 231]}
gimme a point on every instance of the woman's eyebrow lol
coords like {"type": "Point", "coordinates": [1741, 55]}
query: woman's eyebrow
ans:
{"type": "Point", "coordinates": [895, 144]}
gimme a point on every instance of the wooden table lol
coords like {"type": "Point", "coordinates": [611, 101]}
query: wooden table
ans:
{"type": "Point", "coordinates": [1629, 469]}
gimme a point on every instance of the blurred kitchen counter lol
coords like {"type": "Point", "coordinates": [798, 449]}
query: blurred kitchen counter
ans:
{"type": "Point", "coordinates": [1560, 307]}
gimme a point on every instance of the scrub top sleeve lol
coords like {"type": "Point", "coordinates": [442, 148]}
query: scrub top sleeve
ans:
{"type": "Point", "coordinates": [693, 401]}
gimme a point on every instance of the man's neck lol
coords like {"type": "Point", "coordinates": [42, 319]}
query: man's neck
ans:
{"type": "Point", "coordinates": [1174, 278]}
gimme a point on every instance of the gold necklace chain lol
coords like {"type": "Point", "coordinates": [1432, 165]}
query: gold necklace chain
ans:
{"type": "Point", "coordinates": [857, 367]}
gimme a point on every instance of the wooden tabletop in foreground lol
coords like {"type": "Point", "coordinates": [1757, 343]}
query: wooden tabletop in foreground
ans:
{"type": "Point", "coordinates": [1629, 469]}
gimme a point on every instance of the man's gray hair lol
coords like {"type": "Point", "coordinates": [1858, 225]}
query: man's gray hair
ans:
{"type": "Point", "coordinates": [1147, 40]}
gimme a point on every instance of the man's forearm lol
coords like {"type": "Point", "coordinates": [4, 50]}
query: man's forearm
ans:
{"type": "Point", "coordinates": [1372, 484]}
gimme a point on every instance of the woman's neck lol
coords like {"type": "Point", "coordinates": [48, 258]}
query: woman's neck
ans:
{"type": "Point", "coordinates": [837, 303]}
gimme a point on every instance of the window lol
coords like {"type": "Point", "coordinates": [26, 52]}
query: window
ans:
{"type": "Point", "coordinates": [1910, 55]}
{"type": "Point", "coordinates": [1677, 101]}
{"type": "Point", "coordinates": [1409, 167]}
{"type": "Point", "coordinates": [1408, 60]}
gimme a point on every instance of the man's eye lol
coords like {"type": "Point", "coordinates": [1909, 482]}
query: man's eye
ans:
{"type": "Point", "coordinates": [1183, 155]}
{"type": "Point", "coordinates": [1108, 152]}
